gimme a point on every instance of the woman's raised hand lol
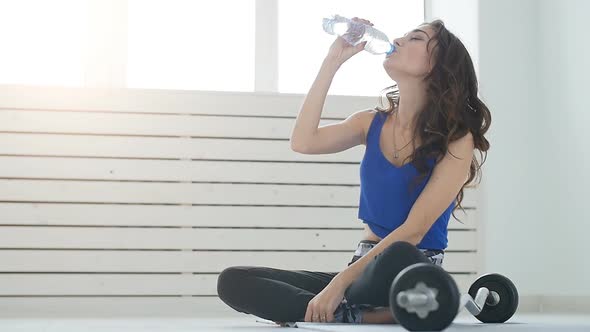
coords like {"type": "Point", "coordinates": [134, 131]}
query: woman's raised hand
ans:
{"type": "Point", "coordinates": [341, 50]}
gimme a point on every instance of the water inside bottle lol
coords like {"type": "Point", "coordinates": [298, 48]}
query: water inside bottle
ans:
{"type": "Point", "coordinates": [355, 32]}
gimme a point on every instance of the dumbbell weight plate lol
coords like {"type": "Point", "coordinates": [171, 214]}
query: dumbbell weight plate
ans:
{"type": "Point", "coordinates": [432, 276]}
{"type": "Point", "coordinates": [508, 304]}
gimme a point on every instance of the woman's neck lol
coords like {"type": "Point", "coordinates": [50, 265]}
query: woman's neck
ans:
{"type": "Point", "coordinates": [412, 99]}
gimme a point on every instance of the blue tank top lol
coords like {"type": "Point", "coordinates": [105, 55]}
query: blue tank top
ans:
{"type": "Point", "coordinates": [385, 196]}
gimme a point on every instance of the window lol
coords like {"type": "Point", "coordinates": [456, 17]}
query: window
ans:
{"type": "Point", "coordinates": [187, 44]}
{"type": "Point", "coordinates": [43, 42]}
{"type": "Point", "coordinates": [303, 44]}
{"type": "Point", "coordinates": [191, 44]}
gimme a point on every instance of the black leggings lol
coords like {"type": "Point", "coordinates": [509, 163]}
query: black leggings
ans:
{"type": "Point", "coordinates": [283, 295]}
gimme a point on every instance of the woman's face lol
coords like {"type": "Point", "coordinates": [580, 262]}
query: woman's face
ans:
{"type": "Point", "coordinates": [411, 58]}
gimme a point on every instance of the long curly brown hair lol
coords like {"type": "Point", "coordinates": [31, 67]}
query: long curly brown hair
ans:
{"type": "Point", "coordinates": [452, 108]}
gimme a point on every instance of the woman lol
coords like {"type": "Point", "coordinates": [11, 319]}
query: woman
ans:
{"type": "Point", "coordinates": [419, 156]}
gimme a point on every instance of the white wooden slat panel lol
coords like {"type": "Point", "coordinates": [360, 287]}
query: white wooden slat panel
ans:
{"type": "Point", "coordinates": [185, 193]}
{"type": "Point", "coordinates": [147, 124]}
{"type": "Point", "coordinates": [195, 238]}
{"type": "Point", "coordinates": [111, 261]}
{"type": "Point", "coordinates": [164, 147]}
{"type": "Point", "coordinates": [107, 284]}
{"type": "Point", "coordinates": [173, 102]}
{"type": "Point", "coordinates": [81, 157]}
{"type": "Point", "coordinates": [198, 216]}
{"type": "Point", "coordinates": [177, 170]}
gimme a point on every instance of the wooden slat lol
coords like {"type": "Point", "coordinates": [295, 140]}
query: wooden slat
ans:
{"type": "Point", "coordinates": [173, 102]}
{"type": "Point", "coordinates": [197, 216]}
{"type": "Point", "coordinates": [110, 261]}
{"type": "Point", "coordinates": [185, 193]}
{"type": "Point", "coordinates": [164, 147]}
{"type": "Point", "coordinates": [177, 193]}
{"type": "Point", "coordinates": [110, 284]}
{"type": "Point", "coordinates": [23, 167]}
{"type": "Point", "coordinates": [148, 124]}
{"type": "Point", "coordinates": [178, 170]}
{"type": "Point", "coordinates": [196, 238]}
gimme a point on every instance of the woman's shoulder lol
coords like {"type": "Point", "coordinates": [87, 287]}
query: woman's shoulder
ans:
{"type": "Point", "coordinates": [369, 116]}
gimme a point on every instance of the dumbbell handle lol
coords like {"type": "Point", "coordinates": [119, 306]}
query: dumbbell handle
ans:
{"type": "Point", "coordinates": [413, 299]}
{"type": "Point", "coordinates": [483, 296]}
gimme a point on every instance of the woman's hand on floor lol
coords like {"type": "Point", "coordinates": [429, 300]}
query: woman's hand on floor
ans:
{"type": "Point", "coordinates": [322, 307]}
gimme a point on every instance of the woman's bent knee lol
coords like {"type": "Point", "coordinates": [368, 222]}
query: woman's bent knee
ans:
{"type": "Point", "coordinates": [228, 279]}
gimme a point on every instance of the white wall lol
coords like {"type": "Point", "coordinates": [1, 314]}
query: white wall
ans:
{"type": "Point", "coordinates": [564, 55]}
{"type": "Point", "coordinates": [532, 69]}
{"type": "Point", "coordinates": [460, 17]}
{"type": "Point", "coordinates": [516, 220]}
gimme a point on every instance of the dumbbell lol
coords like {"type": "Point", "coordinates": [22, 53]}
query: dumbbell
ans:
{"type": "Point", "coordinates": [424, 297]}
{"type": "Point", "coordinates": [492, 298]}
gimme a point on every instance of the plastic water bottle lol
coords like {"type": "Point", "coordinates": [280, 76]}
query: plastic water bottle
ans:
{"type": "Point", "coordinates": [356, 32]}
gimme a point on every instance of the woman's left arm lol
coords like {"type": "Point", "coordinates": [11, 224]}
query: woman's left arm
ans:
{"type": "Point", "coordinates": [447, 179]}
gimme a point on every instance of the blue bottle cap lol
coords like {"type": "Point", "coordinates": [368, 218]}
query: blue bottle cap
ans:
{"type": "Point", "coordinates": [391, 50]}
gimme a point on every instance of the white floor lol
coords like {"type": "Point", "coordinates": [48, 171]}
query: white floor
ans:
{"type": "Point", "coordinates": [249, 323]}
